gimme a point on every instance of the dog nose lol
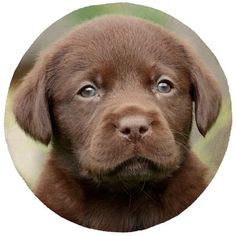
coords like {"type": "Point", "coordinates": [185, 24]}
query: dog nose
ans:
{"type": "Point", "coordinates": [133, 127]}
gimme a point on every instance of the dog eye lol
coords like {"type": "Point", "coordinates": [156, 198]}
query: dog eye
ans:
{"type": "Point", "coordinates": [163, 86]}
{"type": "Point", "coordinates": [88, 91]}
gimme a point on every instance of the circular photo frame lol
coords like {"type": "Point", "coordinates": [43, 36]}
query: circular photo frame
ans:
{"type": "Point", "coordinates": [118, 117]}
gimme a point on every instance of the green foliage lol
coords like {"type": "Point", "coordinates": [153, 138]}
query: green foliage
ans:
{"type": "Point", "coordinates": [118, 9]}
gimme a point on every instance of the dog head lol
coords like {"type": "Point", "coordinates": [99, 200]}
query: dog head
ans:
{"type": "Point", "coordinates": [115, 98]}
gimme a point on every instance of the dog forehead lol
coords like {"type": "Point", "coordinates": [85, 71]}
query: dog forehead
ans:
{"type": "Point", "coordinates": [118, 41]}
{"type": "Point", "coordinates": [115, 47]}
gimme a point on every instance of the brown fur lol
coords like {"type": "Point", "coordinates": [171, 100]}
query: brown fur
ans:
{"type": "Point", "coordinates": [98, 175]}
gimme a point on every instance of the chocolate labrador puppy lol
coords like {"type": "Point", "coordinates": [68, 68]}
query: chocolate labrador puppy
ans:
{"type": "Point", "coordinates": [115, 99]}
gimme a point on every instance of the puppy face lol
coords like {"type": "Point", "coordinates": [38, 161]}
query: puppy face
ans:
{"type": "Point", "coordinates": [115, 98]}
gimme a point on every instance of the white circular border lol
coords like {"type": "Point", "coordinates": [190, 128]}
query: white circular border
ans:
{"type": "Point", "coordinates": [21, 213]}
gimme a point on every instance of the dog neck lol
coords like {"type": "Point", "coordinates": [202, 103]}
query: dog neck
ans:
{"type": "Point", "coordinates": [125, 210]}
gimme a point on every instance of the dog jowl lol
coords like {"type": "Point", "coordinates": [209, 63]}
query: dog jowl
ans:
{"type": "Point", "coordinates": [115, 99]}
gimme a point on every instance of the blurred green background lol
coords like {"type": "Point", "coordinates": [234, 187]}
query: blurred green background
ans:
{"type": "Point", "coordinates": [29, 156]}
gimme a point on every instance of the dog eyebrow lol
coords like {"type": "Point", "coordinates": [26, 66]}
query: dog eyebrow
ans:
{"type": "Point", "coordinates": [85, 75]}
{"type": "Point", "coordinates": [158, 69]}
{"type": "Point", "coordinates": [97, 79]}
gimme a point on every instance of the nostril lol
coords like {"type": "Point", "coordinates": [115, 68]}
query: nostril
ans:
{"type": "Point", "coordinates": [133, 127]}
{"type": "Point", "coordinates": [125, 131]}
{"type": "Point", "coordinates": [143, 129]}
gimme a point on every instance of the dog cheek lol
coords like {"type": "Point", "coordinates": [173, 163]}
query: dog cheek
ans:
{"type": "Point", "coordinates": [162, 148]}
{"type": "Point", "coordinates": [105, 145]}
{"type": "Point", "coordinates": [67, 133]}
{"type": "Point", "coordinates": [106, 149]}
{"type": "Point", "coordinates": [178, 114]}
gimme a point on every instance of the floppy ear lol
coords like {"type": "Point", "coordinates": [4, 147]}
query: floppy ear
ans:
{"type": "Point", "coordinates": [206, 95]}
{"type": "Point", "coordinates": [31, 104]}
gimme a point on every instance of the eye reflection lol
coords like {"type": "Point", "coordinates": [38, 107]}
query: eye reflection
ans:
{"type": "Point", "coordinates": [88, 91]}
{"type": "Point", "coordinates": [164, 87]}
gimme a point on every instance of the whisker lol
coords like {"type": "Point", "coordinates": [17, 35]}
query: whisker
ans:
{"type": "Point", "coordinates": [182, 145]}
{"type": "Point", "coordinates": [179, 133]}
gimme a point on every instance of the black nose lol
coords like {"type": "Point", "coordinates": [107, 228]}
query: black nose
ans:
{"type": "Point", "coordinates": [133, 127]}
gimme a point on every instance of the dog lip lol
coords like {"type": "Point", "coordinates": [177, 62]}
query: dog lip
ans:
{"type": "Point", "coordinates": [136, 165]}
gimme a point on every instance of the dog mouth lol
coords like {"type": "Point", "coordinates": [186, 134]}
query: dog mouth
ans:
{"type": "Point", "coordinates": [134, 166]}
{"type": "Point", "coordinates": [134, 171]}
